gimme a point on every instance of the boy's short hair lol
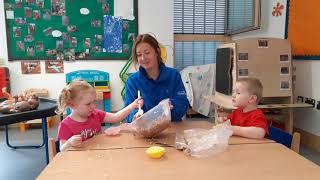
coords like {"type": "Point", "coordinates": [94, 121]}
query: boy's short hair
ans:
{"type": "Point", "coordinates": [254, 87]}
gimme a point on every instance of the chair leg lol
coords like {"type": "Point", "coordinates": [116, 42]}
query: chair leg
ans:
{"type": "Point", "coordinates": [295, 145]}
{"type": "Point", "coordinates": [52, 147]}
{"type": "Point", "coordinates": [23, 127]}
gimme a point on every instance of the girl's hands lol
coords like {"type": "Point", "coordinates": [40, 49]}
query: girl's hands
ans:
{"type": "Point", "coordinates": [136, 102]}
{"type": "Point", "coordinates": [75, 141]}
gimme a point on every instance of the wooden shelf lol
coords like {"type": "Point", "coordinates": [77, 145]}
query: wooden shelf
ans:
{"type": "Point", "coordinates": [226, 102]}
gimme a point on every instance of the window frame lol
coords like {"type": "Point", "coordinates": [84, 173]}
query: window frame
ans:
{"type": "Point", "coordinates": [224, 38]}
{"type": "Point", "coordinates": [256, 19]}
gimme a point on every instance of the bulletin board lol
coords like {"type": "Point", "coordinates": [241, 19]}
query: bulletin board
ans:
{"type": "Point", "coordinates": [302, 29]}
{"type": "Point", "coordinates": [70, 29]}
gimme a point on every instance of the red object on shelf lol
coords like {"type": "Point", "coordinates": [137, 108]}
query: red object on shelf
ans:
{"type": "Point", "coordinates": [106, 95]}
{"type": "Point", "coordinates": [4, 80]}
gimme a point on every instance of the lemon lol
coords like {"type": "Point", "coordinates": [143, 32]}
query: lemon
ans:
{"type": "Point", "coordinates": [155, 151]}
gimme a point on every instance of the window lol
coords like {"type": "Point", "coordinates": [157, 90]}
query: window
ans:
{"type": "Point", "coordinates": [195, 53]}
{"type": "Point", "coordinates": [201, 25]}
{"type": "Point", "coordinates": [242, 16]}
{"type": "Point", "coordinates": [199, 16]}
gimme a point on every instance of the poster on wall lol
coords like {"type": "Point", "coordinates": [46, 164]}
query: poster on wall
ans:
{"type": "Point", "coordinates": [54, 67]}
{"type": "Point", "coordinates": [30, 67]}
{"type": "Point", "coordinates": [69, 30]}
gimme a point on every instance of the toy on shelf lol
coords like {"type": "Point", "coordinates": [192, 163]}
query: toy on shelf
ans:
{"type": "Point", "coordinates": [4, 81]}
{"type": "Point", "coordinates": [99, 80]}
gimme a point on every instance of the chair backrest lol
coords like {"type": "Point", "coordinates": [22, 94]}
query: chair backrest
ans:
{"type": "Point", "coordinates": [282, 137]}
{"type": "Point", "coordinates": [54, 147]}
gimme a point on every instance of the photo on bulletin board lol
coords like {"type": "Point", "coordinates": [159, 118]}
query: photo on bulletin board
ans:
{"type": "Point", "coordinates": [243, 56]}
{"type": "Point", "coordinates": [30, 67]}
{"type": "Point", "coordinates": [69, 30]}
{"type": "Point", "coordinates": [263, 43]}
{"type": "Point", "coordinates": [53, 66]}
{"type": "Point", "coordinates": [285, 85]}
{"type": "Point", "coordinates": [243, 72]}
{"type": "Point", "coordinates": [284, 58]}
{"type": "Point", "coordinates": [284, 70]}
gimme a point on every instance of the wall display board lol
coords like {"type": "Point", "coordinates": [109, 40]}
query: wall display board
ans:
{"type": "Point", "coordinates": [70, 29]}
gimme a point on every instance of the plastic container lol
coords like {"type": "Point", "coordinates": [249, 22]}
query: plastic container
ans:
{"type": "Point", "coordinates": [153, 122]}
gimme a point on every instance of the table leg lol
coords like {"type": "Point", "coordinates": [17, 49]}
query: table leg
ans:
{"type": "Point", "coordinates": [45, 137]}
{"type": "Point", "coordinates": [44, 140]}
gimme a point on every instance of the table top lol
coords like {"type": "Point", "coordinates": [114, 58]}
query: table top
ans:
{"type": "Point", "coordinates": [245, 161]}
{"type": "Point", "coordinates": [167, 138]}
{"type": "Point", "coordinates": [46, 108]}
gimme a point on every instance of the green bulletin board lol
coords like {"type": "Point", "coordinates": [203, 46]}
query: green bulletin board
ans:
{"type": "Point", "coordinates": [69, 29]}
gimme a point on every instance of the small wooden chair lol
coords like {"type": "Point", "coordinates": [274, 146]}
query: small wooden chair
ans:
{"type": "Point", "coordinates": [282, 137]}
{"type": "Point", "coordinates": [54, 147]}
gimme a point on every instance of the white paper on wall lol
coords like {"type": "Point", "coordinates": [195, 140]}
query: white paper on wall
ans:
{"type": "Point", "coordinates": [124, 9]}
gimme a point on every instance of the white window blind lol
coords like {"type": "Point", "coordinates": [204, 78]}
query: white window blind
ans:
{"type": "Point", "coordinates": [199, 16]}
{"type": "Point", "coordinates": [194, 53]}
{"type": "Point", "coordinates": [242, 15]}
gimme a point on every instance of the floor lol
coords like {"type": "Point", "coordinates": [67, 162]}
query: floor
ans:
{"type": "Point", "coordinates": [28, 163]}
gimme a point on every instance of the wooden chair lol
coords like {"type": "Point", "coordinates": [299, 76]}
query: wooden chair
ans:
{"type": "Point", "coordinates": [54, 147]}
{"type": "Point", "coordinates": [282, 137]}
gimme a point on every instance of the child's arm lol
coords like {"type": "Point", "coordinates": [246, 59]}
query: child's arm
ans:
{"type": "Point", "coordinates": [222, 115]}
{"type": "Point", "coordinates": [123, 113]}
{"type": "Point", "coordinates": [74, 141]}
{"type": "Point", "coordinates": [249, 132]}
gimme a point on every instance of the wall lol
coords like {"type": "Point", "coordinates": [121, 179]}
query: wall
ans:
{"type": "Point", "coordinates": [307, 84]}
{"type": "Point", "coordinates": [270, 26]}
{"type": "Point", "coordinates": [157, 20]}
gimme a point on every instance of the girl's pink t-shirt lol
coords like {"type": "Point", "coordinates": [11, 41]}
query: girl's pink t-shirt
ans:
{"type": "Point", "coordinates": [69, 127]}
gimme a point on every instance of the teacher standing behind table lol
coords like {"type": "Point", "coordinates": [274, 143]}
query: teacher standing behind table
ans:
{"type": "Point", "coordinates": [154, 80]}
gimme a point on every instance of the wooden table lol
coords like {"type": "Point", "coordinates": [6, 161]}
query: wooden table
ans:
{"type": "Point", "coordinates": [167, 138]}
{"type": "Point", "coordinates": [123, 157]}
{"type": "Point", "coordinates": [245, 161]}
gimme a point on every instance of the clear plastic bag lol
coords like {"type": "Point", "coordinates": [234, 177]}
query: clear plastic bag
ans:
{"type": "Point", "coordinates": [153, 122]}
{"type": "Point", "coordinates": [204, 142]}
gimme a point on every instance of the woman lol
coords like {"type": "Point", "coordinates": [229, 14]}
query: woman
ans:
{"type": "Point", "coordinates": [154, 80]}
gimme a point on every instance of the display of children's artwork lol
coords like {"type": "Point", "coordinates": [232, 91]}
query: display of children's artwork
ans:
{"type": "Point", "coordinates": [54, 66]}
{"type": "Point", "coordinates": [30, 67]}
{"type": "Point", "coordinates": [112, 34]}
{"type": "Point", "coordinates": [69, 30]}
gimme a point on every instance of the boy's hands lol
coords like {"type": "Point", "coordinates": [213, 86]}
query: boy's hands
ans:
{"type": "Point", "coordinates": [75, 141]}
{"type": "Point", "coordinates": [222, 115]}
{"type": "Point", "coordinates": [222, 119]}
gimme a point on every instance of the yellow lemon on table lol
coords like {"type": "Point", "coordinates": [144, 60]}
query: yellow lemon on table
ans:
{"type": "Point", "coordinates": [155, 151]}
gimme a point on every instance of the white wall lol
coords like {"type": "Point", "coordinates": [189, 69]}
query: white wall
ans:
{"type": "Point", "coordinates": [308, 85]}
{"type": "Point", "coordinates": [154, 16]}
{"type": "Point", "coordinates": [270, 26]}
{"type": "Point", "coordinates": [307, 71]}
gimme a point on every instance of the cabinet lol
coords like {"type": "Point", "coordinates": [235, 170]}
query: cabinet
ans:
{"type": "Point", "coordinates": [269, 60]}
